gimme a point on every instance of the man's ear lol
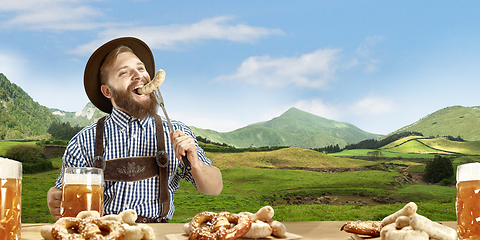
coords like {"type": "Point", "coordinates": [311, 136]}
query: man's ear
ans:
{"type": "Point", "coordinates": [106, 91]}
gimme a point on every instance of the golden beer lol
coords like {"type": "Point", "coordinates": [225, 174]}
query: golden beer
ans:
{"type": "Point", "coordinates": [81, 197]}
{"type": "Point", "coordinates": [10, 199]}
{"type": "Point", "coordinates": [468, 201]}
{"type": "Point", "coordinates": [82, 191]}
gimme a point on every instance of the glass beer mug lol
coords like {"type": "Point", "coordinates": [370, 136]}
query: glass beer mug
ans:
{"type": "Point", "coordinates": [468, 201]}
{"type": "Point", "coordinates": [82, 191]}
{"type": "Point", "coordinates": [11, 199]}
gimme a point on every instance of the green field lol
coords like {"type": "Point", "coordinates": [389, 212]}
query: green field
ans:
{"type": "Point", "coordinates": [296, 182]}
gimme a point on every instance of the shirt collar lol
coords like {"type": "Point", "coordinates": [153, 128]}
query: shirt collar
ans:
{"type": "Point", "coordinates": [123, 119]}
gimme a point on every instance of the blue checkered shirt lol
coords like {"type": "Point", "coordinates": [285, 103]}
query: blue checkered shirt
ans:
{"type": "Point", "coordinates": [125, 136]}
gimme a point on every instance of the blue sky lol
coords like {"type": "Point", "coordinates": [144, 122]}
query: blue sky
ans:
{"type": "Point", "coordinates": [380, 65]}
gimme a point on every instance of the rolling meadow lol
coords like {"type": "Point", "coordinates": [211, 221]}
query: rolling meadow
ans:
{"type": "Point", "coordinates": [303, 184]}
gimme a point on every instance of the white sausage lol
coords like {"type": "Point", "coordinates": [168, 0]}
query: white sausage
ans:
{"type": "Point", "coordinates": [132, 232]}
{"type": "Point", "coordinates": [259, 229]}
{"type": "Point", "coordinates": [390, 232]}
{"type": "Point", "coordinates": [278, 229]}
{"type": "Point", "coordinates": [112, 217]}
{"type": "Point", "coordinates": [252, 216]}
{"type": "Point", "coordinates": [148, 233]}
{"type": "Point", "coordinates": [186, 228]}
{"type": "Point", "coordinates": [154, 84]}
{"type": "Point", "coordinates": [402, 222]}
{"type": "Point", "coordinates": [87, 214]}
{"type": "Point", "coordinates": [433, 229]}
{"type": "Point", "coordinates": [129, 216]}
{"type": "Point", "coordinates": [265, 213]}
{"type": "Point", "coordinates": [46, 232]}
{"type": "Point", "coordinates": [408, 210]}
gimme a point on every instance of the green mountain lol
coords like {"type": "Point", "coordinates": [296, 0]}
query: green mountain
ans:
{"type": "Point", "coordinates": [20, 116]}
{"type": "Point", "coordinates": [454, 121]}
{"type": "Point", "coordinates": [87, 116]}
{"type": "Point", "coordinates": [294, 128]}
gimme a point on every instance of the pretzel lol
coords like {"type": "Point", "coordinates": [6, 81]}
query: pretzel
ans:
{"type": "Point", "coordinates": [242, 225]}
{"type": "Point", "coordinates": [154, 84]}
{"type": "Point", "coordinates": [224, 225]}
{"type": "Point", "coordinates": [95, 228]}
{"type": "Point", "coordinates": [65, 224]}
{"type": "Point", "coordinates": [89, 225]}
{"type": "Point", "coordinates": [371, 228]}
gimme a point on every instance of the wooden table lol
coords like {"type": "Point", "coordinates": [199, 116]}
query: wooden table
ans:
{"type": "Point", "coordinates": [308, 230]}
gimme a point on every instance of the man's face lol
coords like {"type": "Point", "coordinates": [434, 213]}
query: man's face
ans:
{"type": "Point", "coordinates": [126, 75]}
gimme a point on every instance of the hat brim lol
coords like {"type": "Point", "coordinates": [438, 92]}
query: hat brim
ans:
{"type": "Point", "coordinates": [91, 77]}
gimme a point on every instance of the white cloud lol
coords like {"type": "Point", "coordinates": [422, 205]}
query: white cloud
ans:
{"type": "Point", "coordinates": [320, 108]}
{"type": "Point", "coordinates": [372, 105]}
{"type": "Point", "coordinates": [51, 15]}
{"type": "Point", "coordinates": [176, 35]}
{"type": "Point", "coordinates": [368, 106]}
{"type": "Point", "coordinates": [366, 54]}
{"type": "Point", "coordinates": [311, 70]}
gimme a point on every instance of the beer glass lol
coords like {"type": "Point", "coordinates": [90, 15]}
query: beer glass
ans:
{"type": "Point", "coordinates": [82, 191]}
{"type": "Point", "coordinates": [10, 198]}
{"type": "Point", "coordinates": [468, 201]}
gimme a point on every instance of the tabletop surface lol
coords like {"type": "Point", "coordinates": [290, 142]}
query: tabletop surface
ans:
{"type": "Point", "coordinates": [308, 230]}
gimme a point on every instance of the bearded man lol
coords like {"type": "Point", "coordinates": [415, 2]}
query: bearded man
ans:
{"type": "Point", "coordinates": [133, 131]}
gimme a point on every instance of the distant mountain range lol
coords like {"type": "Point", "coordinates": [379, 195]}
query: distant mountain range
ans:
{"type": "Point", "coordinates": [21, 117]}
{"type": "Point", "coordinates": [87, 116]}
{"type": "Point", "coordinates": [294, 128]}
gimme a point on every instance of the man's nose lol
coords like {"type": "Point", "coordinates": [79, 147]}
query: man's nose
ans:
{"type": "Point", "coordinates": [136, 75]}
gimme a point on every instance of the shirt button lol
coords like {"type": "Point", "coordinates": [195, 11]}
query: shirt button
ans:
{"type": "Point", "coordinates": [126, 207]}
{"type": "Point", "coordinates": [130, 183]}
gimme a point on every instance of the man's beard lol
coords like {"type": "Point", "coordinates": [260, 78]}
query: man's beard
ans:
{"type": "Point", "coordinates": [125, 100]}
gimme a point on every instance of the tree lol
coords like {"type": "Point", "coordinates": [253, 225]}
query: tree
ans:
{"type": "Point", "coordinates": [32, 157]}
{"type": "Point", "coordinates": [438, 169]}
{"type": "Point", "coordinates": [63, 131]}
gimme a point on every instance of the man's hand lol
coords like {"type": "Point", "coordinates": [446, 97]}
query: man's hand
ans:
{"type": "Point", "coordinates": [207, 178]}
{"type": "Point", "coordinates": [184, 145]}
{"type": "Point", "coordinates": [54, 199]}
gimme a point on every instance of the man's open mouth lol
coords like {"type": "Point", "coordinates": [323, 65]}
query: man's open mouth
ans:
{"type": "Point", "coordinates": [135, 90]}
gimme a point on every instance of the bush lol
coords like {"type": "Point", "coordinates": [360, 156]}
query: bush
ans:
{"type": "Point", "coordinates": [438, 169]}
{"type": "Point", "coordinates": [31, 156]}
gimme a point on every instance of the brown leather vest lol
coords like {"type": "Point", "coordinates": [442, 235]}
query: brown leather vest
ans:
{"type": "Point", "coordinates": [132, 169]}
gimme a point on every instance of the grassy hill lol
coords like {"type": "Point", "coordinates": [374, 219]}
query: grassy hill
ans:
{"type": "Point", "coordinates": [439, 145]}
{"type": "Point", "coordinates": [288, 158]}
{"type": "Point", "coordinates": [21, 117]}
{"type": "Point", "coordinates": [454, 121]}
{"type": "Point", "coordinates": [294, 128]}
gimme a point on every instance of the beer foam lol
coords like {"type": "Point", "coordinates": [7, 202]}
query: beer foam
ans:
{"type": "Point", "coordinates": [95, 179]}
{"type": "Point", "coordinates": [468, 172]}
{"type": "Point", "coordinates": [10, 168]}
